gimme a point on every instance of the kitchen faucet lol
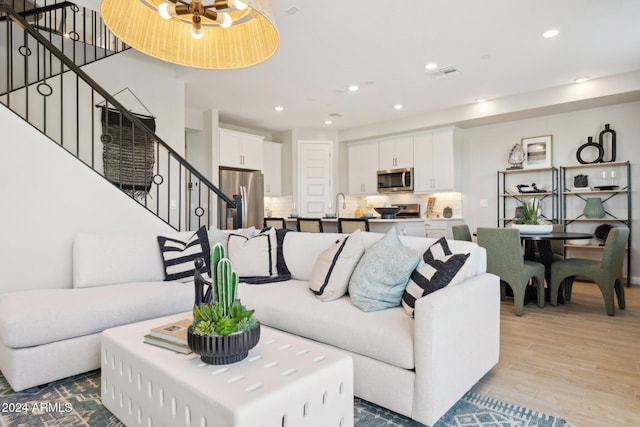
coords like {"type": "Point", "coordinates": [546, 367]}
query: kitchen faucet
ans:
{"type": "Point", "coordinates": [344, 204]}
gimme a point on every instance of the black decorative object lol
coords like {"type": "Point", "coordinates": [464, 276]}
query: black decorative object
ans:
{"type": "Point", "coordinates": [388, 212]}
{"type": "Point", "coordinates": [599, 146]}
{"type": "Point", "coordinates": [200, 283]}
{"type": "Point", "coordinates": [222, 350]}
{"type": "Point", "coordinates": [602, 231]}
{"type": "Point", "coordinates": [128, 152]}
{"type": "Point", "coordinates": [580, 181]}
{"type": "Point", "coordinates": [527, 189]}
{"type": "Point", "coordinates": [595, 145]}
{"type": "Point", "coordinates": [613, 142]}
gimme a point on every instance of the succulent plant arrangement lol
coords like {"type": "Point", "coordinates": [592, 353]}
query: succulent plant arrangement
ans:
{"type": "Point", "coordinates": [530, 211]}
{"type": "Point", "coordinates": [225, 314]}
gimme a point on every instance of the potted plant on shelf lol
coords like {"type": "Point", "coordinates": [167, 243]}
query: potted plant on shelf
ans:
{"type": "Point", "coordinates": [531, 222]}
{"type": "Point", "coordinates": [223, 330]}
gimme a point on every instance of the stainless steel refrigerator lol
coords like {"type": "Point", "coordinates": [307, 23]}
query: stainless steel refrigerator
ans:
{"type": "Point", "coordinates": [250, 184]}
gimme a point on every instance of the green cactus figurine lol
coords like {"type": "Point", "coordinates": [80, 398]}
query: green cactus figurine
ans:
{"type": "Point", "coordinates": [225, 314]}
{"type": "Point", "coordinates": [217, 254]}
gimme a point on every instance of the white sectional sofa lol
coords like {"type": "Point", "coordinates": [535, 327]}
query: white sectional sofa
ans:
{"type": "Point", "coordinates": [418, 367]}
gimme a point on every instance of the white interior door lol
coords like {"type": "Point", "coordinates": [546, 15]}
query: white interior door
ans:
{"type": "Point", "coordinates": [314, 172]}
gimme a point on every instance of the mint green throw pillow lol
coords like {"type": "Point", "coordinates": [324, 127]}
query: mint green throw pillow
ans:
{"type": "Point", "coordinates": [381, 276]}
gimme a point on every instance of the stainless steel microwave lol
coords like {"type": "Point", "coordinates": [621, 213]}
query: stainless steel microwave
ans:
{"type": "Point", "coordinates": [395, 180]}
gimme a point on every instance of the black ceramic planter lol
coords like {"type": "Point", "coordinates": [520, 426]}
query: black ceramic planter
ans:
{"type": "Point", "coordinates": [217, 350]}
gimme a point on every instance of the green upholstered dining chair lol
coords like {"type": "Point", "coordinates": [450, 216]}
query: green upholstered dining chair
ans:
{"type": "Point", "coordinates": [606, 273]}
{"type": "Point", "coordinates": [505, 259]}
{"type": "Point", "coordinates": [461, 232]}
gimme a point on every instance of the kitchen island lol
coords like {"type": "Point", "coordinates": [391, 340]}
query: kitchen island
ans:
{"type": "Point", "coordinates": [405, 226]}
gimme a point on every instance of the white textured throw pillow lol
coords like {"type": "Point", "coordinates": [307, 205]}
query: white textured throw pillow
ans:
{"type": "Point", "coordinates": [222, 236]}
{"type": "Point", "coordinates": [332, 270]}
{"type": "Point", "coordinates": [255, 256]}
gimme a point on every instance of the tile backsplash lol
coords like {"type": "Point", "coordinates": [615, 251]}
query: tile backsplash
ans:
{"type": "Point", "coordinates": [282, 206]}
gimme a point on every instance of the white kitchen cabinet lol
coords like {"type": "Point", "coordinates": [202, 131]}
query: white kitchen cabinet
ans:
{"type": "Point", "coordinates": [395, 153]}
{"type": "Point", "coordinates": [240, 150]}
{"type": "Point", "coordinates": [441, 227]}
{"type": "Point", "coordinates": [363, 168]}
{"type": "Point", "coordinates": [272, 171]}
{"type": "Point", "coordinates": [436, 158]}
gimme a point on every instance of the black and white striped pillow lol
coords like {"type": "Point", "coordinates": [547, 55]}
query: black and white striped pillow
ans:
{"type": "Point", "coordinates": [178, 256]}
{"type": "Point", "coordinates": [430, 276]}
{"type": "Point", "coordinates": [437, 250]}
{"type": "Point", "coordinates": [333, 268]}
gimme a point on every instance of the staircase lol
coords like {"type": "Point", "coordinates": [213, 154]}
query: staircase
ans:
{"type": "Point", "coordinates": [41, 51]}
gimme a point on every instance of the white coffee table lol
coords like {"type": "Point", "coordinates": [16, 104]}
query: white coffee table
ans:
{"type": "Point", "coordinates": [285, 381]}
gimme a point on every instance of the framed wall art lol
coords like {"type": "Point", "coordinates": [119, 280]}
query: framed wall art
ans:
{"type": "Point", "coordinates": [537, 152]}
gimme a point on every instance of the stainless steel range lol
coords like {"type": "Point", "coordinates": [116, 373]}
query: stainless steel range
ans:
{"type": "Point", "coordinates": [411, 210]}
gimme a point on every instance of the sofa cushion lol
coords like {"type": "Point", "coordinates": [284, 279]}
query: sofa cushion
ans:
{"type": "Point", "coordinates": [30, 318]}
{"type": "Point", "coordinates": [255, 256]}
{"type": "Point", "coordinates": [301, 249]}
{"type": "Point", "coordinates": [222, 236]}
{"type": "Point", "coordinates": [381, 276]}
{"type": "Point", "coordinates": [334, 266]}
{"type": "Point", "coordinates": [179, 255]}
{"type": "Point", "coordinates": [431, 275]}
{"type": "Point", "coordinates": [385, 335]}
{"type": "Point", "coordinates": [106, 259]}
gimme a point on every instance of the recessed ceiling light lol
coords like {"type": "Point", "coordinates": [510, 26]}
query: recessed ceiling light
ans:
{"type": "Point", "coordinates": [581, 79]}
{"type": "Point", "coordinates": [481, 100]}
{"type": "Point", "coordinates": [279, 108]}
{"type": "Point", "coordinates": [431, 66]}
{"type": "Point", "coordinates": [550, 33]}
{"type": "Point", "coordinates": [398, 107]}
{"type": "Point", "coordinates": [353, 88]}
{"type": "Point", "coordinates": [328, 122]}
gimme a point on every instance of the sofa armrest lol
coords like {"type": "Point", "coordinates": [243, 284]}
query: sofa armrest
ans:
{"type": "Point", "coordinates": [457, 341]}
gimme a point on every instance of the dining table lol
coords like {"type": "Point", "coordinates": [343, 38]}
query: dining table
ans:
{"type": "Point", "coordinates": [545, 252]}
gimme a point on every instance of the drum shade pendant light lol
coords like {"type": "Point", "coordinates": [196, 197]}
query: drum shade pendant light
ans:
{"type": "Point", "coordinates": [214, 34]}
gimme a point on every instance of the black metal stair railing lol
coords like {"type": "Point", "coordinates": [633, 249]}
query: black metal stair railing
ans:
{"type": "Point", "coordinates": [70, 108]}
{"type": "Point", "coordinates": [79, 33]}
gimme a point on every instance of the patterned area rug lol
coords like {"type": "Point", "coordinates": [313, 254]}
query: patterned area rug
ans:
{"type": "Point", "coordinates": [75, 401]}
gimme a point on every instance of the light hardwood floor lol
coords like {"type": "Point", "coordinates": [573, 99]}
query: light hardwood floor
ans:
{"type": "Point", "coordinates": [572, 361]}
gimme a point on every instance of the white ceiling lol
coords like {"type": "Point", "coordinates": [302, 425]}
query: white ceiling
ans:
{"type": "Point", "coordinates": [383, 46]}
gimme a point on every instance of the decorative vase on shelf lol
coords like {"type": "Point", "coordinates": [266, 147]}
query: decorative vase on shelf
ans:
{"type": "Point", "coordinates": [447, 212]}
{"type": "Point", "coordinates": [593, 208]}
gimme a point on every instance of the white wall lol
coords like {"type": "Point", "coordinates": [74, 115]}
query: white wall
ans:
{"type": "Point", "coordinates": [486, 149]}
{"type": "Point", "coordinates": [49, 196]}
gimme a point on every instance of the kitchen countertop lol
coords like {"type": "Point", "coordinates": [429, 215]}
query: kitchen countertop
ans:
{"type": "Point", "coordinates": [374, 219]}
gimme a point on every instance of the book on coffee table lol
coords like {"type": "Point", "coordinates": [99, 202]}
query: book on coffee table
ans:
{"type": "Point", "coordinates": [175, 332]}
{"type": "Point", "coordinates": [169, 345]}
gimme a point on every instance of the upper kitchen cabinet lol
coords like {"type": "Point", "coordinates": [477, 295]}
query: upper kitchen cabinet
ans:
{"type": "Point", "coordinates": [363, 168]}
{"type": "Point", "coordinates": [395, 153]}
{"type": "Point", "coordinates": [240, 150]}
{"type": "Point", "coordinates": [437, 161]}
{"type": "Point", "coordinates": [272, 171]}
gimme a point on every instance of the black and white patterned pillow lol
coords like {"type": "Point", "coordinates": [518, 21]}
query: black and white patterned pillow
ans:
{"type": "Point", "coordinates": [333, 268]}
{"type": "Point", "coordinates": [437, 250]}
{"type": "Point", "coordinates": [178, 256]}
{"type": "Point", "coordinates": [432, 275]}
